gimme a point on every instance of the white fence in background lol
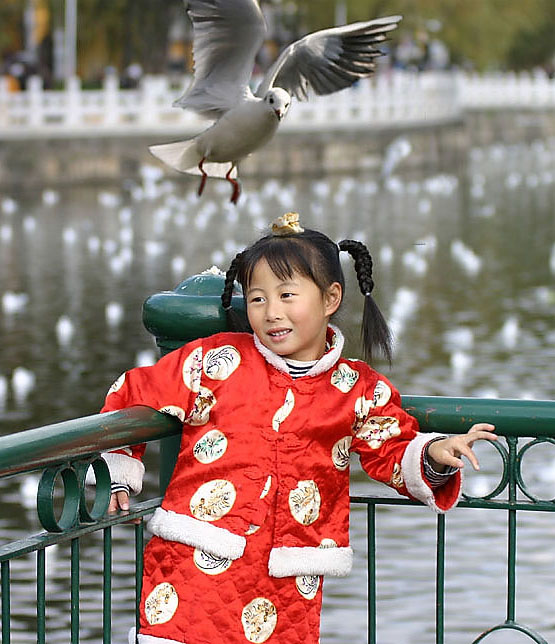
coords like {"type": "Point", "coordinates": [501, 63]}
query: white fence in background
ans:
{"type": "Point", "coordinates": [389, 100]}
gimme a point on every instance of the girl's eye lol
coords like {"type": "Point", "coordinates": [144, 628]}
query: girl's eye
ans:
{"type": "Point", "coordinates": [255, 300]}
{"type": "Point", "coordinates": [286, 295]}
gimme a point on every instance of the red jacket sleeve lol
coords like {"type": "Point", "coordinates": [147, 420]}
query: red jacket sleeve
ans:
{"type": "Point", "coordinates": [390, 447]}
{"type": "Point", "coordinates": [169, 386]}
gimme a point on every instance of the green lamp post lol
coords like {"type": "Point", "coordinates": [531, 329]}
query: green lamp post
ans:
{"type": "Point", "coordinates": [192, 310]}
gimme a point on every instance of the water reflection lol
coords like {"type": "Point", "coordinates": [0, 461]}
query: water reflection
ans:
{"type": "Point", "coordinates": [464, 267]}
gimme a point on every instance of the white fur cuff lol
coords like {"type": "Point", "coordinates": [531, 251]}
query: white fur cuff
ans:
{"type": "Point", "coordinates": [199, 534]}
{"type": "Point", "coordinates": [125, 469]}
{"type": "Point", "coordinates": [411, 468]}
{"type": "Point", "coordinates": [291, 562]}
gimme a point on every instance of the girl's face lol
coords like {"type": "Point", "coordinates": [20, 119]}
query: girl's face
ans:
{"type": "Point", "coordinates": [290, 316]}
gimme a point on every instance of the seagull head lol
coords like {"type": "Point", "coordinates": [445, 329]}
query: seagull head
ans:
{"type": "Point", "coordinates": [278, 100]}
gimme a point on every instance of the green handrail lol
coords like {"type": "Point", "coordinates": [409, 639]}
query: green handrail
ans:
{"type": "Point", "coordinates": [76, 439]}
{"type": "Point", "coordinates": [456, 415]}
{"type": "Point", "coordinates": [81, 437]}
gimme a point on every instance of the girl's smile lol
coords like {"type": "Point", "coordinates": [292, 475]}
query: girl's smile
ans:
{"type": "Point", "coordinates": [290, 316]}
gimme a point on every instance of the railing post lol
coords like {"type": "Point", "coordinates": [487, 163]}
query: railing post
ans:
{"type": "Point", "coordinates": [511, 537]}
{"type": "Point", "coordinates": [4, 91]}
{"type": "Point", "coordinates": [440, 579]}
{"type": "Point", "coordinates": [41, 596]}
{"type": "Point", "coordinates": [192, 310]}
{"type": "Point", "coordinates": [151, 88]}
{"type": "Point", "coordinates": [139, 548]}
{"type": "Point", "coordinates": [73, 102]}
{"type": "Point", "coordinates": [74, 599]}
{"type": "Point", "coordinates": [371, 531]}
{"type": "Point", "coordinates": [107, 587]}
{"type": "Point", "coordinates": [35, 107]}
{"type": "Point", "coordinates": [5, 573]}
{"type": "Point", "coordinates": [110, 99]}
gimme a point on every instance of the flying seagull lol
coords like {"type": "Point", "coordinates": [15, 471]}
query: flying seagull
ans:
{"type": "Point", "coordinates": [227, 35]}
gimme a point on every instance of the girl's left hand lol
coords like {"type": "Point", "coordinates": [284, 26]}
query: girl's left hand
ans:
{"type": "Point", "coordinates": [448, 451]}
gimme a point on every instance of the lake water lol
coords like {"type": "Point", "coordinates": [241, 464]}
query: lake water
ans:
{"type": "Point", "coordinates": [464, 268]}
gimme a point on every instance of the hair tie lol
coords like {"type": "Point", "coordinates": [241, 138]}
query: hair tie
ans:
{"type": "Point", "coordinates": [227, 308]}
{"type": "Point", "coordinates": [287, 224]}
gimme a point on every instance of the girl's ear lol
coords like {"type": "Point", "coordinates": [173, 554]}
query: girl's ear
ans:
{"type": "Point", "coordinates": [333, 297]}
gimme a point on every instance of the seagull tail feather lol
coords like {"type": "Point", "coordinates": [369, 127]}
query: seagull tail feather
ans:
{"type": "Point", "coordinates": [181, 155]}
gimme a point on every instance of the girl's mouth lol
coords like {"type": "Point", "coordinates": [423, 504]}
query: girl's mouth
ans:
{"type": "Point", "coordinates": [279, 333]}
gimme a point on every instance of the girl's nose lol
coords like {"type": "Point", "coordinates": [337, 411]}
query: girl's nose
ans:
{"type": "Point", "coordinates": [273, 311]}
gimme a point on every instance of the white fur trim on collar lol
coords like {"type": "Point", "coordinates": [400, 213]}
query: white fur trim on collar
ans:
{"type": "Point", "coordinates": [326, 361]}
{"type": "Point", "coordinates": [411, 469]}
{"type": "Point", "coordinates": [291, 562]}
{"type": "Point", "coordinates": [199, 534]}
{"type": "Point", "coordinates": [123, 469]}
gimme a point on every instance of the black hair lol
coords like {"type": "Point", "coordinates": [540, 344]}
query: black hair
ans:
{"type": "Point", "coordinates": [315, 256]}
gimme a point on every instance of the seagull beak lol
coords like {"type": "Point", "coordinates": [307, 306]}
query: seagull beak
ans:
{"type": "Point", "coordinates": [279, 114]}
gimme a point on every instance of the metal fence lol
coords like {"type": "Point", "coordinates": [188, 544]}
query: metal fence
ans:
{"type": "Point", "coordinates": [393, 98]}
{"type": "Point", "coordinates": [66, 451]}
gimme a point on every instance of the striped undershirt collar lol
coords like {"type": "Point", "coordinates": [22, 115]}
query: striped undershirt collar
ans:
{"type": "Point", "coordinates": [298, 368]}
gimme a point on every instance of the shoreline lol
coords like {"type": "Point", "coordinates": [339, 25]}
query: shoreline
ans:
{"type": "Point", "coordinates": [68, 160]}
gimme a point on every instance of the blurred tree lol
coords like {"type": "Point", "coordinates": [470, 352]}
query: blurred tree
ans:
{"type": "Point", "coordinates": [481, 33]}
{"type": "Point", "coordinates": [534, 44]}
{"type": "Point", "coordinates": [132, 31]}
{"type": "Point", "coordinates": [11, 20]}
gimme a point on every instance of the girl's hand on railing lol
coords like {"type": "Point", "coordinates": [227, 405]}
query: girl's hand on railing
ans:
{"type": "Point", "coordinates": [447, 451]}
{"type": "Point", "coordinates": [120, 501]}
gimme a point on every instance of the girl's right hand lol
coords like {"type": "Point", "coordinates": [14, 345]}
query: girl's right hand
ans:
{"type": "Point", "coordinates": [118, 501]}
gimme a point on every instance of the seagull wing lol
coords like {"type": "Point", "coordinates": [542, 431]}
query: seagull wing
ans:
{"type": "Point", "coordinates": [328, 60]}
{"type": "Point", "coordinates": [227, 34]}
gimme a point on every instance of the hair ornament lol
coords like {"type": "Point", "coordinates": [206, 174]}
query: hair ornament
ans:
{"type": "Point", "coordinates": [287, 224]}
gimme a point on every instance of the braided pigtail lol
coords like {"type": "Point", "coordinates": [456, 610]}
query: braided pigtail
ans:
{"type": "Point", "coordinates": [375, 332]}
{"type": "Point", "coordinates": [234, 321]}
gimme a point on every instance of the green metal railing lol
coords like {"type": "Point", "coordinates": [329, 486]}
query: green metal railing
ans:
{"type": "Point", "coordinates": [65, 451]}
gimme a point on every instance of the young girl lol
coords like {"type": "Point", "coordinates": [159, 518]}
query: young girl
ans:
{"type": "Point", "coordinates": [257, 510]}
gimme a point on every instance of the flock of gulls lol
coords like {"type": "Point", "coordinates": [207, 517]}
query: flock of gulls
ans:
{"type": "Point", "coordinates": [169, 210]}
{"type": "Point", "coordinates": [226, 39]}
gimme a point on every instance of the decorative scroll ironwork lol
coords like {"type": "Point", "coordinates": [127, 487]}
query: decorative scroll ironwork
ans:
{"type": "Point", "coordinates": [512, 458]}
{"type": "Point", "coordinates": [74, 507]}
{"type": "Point", "coordinates": [518, 472]}
{"type": "Point", "coordinates": [512, 626]}
{"type": "Point", "coordinates": [504, 480]}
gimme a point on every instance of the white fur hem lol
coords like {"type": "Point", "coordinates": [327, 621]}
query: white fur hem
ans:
{"type": "Point", "coordinates": [123, 469]}
{"type": "Point", "coordinates": [199, 534]}
{"type": "Point", "coordinates": [411, 469]}
{"type": "Point", "coordinates": [292, 562]}
{"type": "Point", "coordinates": [149, 639]}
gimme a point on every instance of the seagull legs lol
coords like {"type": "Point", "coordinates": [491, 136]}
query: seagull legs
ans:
{"type": "Point", "coordinates": [203, 178]}
{"type": "Point", "coordinates": [236, 187]}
